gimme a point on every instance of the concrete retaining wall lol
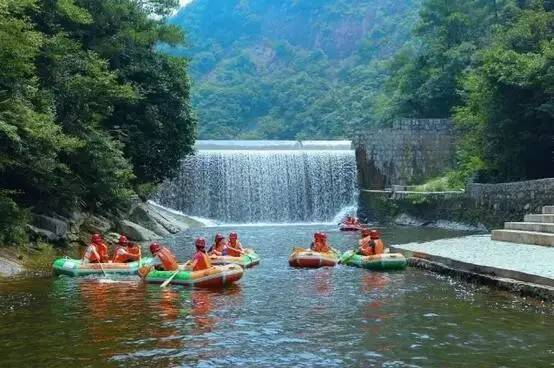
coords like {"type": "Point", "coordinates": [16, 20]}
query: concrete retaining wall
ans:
{"type": "Point", "coordinates": [409, 151]}
{"type": "Point", "coordinates": [486, 204]}
{"type": "Point", "coordinates": [511, 201]}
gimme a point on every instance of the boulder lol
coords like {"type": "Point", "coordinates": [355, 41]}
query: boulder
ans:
{"type": "Point", "coordinates": [178, 219]}
{"type": "Point", "coordinates": [143, 215]}
{"type": "Point", "coordinates": [9, 268]}
{"type": "Point", "coordinates": [136, 232]}
{"type": "Point", "coordinates": [50, 227]}
{"type": "Point", "coordinates": [96, 224]}
{"type": "Point", "coordinates": [36, 233]}
{"type": "Point", "coordinates": [407, 220]}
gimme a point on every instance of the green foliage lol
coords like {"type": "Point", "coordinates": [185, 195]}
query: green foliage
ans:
{"type": "Point", "coordinates": [290, 69]}
{"type": "Point", "coordinates": [423, 78]}
{"type": "Point", "coordinates": [508, 101]}
{"type": "Point", "coordinates": [88, 108]}
{"type": "Point", "coordinates": [445, 183]}
{"type": "Point", "coordinates": [12, 221]}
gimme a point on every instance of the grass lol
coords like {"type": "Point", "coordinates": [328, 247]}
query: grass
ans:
{"type": "Point", "coordinates": [441, 184]}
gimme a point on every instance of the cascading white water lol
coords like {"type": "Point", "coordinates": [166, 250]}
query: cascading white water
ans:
{"type": "Point", "coordinates": [264, 181]}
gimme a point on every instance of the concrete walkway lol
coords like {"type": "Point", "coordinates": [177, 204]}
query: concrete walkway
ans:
{"type": "Point", "coordinates": [480, 255]}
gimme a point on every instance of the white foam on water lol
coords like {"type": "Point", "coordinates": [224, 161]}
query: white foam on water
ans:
{"type": "Point", "coordinates": [264, 182]}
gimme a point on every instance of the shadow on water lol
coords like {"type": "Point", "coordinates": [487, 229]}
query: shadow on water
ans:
{"type": "Point", "coordinates": [275, 317]}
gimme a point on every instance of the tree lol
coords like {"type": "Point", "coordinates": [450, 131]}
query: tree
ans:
{"type": "Point", "coordinates": [424, 76]}
{"type": "Point", "coordinates": [508, 101]}
{"type": "Point", "coordinates": [89, 110]}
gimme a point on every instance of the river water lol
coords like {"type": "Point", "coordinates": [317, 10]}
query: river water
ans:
{"type": "Point", "coordinates": [275, 317]}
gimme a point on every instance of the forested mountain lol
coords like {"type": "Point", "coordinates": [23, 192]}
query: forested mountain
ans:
{"type": "Point", "coordinates": [289, 69]}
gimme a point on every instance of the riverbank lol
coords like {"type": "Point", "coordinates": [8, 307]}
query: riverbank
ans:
{"type": "Point", "coordinates": [522, 269]}
{"type": "Point", "coordinates": [55, 236]}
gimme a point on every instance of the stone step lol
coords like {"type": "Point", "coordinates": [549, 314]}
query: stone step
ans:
{"type": "Point", "coordinates": [540, 227]}
{"type": "Point", "coordinates": [539, 218]}
{"type": "Point", "coordinates": [523, 237]}
{"type": "Point", "coordinates": [548, 210]}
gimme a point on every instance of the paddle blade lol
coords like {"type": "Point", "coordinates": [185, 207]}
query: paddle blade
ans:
{"type": "Point", "coordinates": [144, 271]}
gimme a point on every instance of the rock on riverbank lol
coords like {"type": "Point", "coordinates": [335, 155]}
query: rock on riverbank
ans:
{"type": "Point", "coordinates": [144, 222]}
{"type": "Point", "coordinates": [10, 267]}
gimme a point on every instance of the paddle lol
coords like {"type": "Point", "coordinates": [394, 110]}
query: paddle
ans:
{"type": "Point", "coordinates": [144, 271]}
{"type": "Point", "coordinates": [100, 263]}
{"type": "Point", "coordinates": [164, 284]}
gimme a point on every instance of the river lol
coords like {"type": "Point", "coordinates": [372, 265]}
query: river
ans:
{"type": "Point", "coordinates": [275, 317]}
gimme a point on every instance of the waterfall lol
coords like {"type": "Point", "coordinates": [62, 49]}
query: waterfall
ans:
{"type": "Point", "coordinates": [264, 181]}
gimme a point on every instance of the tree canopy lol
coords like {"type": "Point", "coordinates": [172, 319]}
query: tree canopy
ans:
{"type": "Point", "coordinates": [487, 64]}
{"type": "Point", "coordinates": [90, 112]}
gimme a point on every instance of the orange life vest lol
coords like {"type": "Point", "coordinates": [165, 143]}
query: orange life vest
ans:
{"type": "Point", "coordinates": [125, 254]}
{"type": "Point", "coordinates": [202, 261]}
{"type": "Point", "coordinates": [219, 249]}
{"type": "Point", "coordinates": [369, 247]}
{"type": "Point", "coordinates": [97, 253]}
{"type": "Point", "coordinates": [236, 251]}
{"type": "Point", "coordinates": [169, 262]}
{"type": "Point", "coordinates": [321, 247]}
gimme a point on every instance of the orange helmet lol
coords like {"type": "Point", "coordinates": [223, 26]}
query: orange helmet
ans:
{"type": "Point", "coordinates": [155, 248]}
{"type": "Point", "coordinates": [374, 234]}
{"type": "Point", "coordinates": [123, 240]}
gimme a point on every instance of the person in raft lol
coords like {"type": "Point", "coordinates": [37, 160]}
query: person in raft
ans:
{"type": "Point", "coordinates": [126, 251]}
{"type": "Point", "coordinates": [164, 260]}
{"type": "Point", "coordinates": [200, 260]}
{"type": "Point", "coordinates": [219, 248]}
{"type": "Point", "coordinates": [234, 247]}
{"type": "Point", "coordinates": [97, 251]}
{"type": "Point", "coordinates": [320, 243]}
{"type": "Point", "coordinates": [371, 244]}
{"type": "Point", "coordinates": [351, 221]}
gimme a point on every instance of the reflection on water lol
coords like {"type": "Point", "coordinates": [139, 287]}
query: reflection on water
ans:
{"type": "Point", "coordinates": [276, 317]}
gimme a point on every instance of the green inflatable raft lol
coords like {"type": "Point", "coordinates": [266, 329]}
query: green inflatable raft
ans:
{"type": "Point", "coordinates": [75, 267]}
{"type": "Point", "coordinates": [216, 276]}
{"type": "Point", "coordinates": [380, 262]}
{"type": "Point", "coordinates": [250, 259]}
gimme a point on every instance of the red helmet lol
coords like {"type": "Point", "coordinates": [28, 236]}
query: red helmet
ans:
{"type": "Point", "coordinates": [219, 237]}
{"type": "Point", "coordinates": [123, 240]}
{"type": "Point", "coordinates": [155, 248]}
{"type": "Point", "coordinates": [96, 238]}
{"type": "Point", "coordinates": [365, 232]}
{"type": "Point", "coordinates": [374, 234]}
{"type": "Point", "coordinates": [233, 235]}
